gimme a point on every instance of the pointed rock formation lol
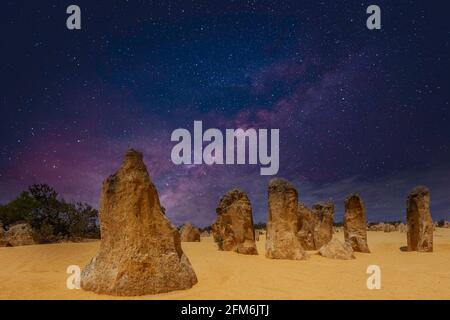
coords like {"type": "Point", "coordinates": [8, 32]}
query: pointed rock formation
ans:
{"type": "Point", "coordinates": [419, 222]}
{"type": "Point", "coordinates": [307, 225]}
{"type": "Point", "coordinates": [233, 228]}
{"type": "Point", "coordinates": [189, 233]}
{"type": "Point", "coordinates": [335, 249]}
{"type": "Point", "coordinates": [282, 240]}
{"type": "Point", "coordinates": [355, 232]}
{"type": "Point", "coordinates": [140, 251]}
{"type": "Point", "coordinates": [323, 231]}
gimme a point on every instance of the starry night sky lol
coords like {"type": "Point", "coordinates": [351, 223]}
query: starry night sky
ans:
{"type": "Point", "coordinates": [358, 110]}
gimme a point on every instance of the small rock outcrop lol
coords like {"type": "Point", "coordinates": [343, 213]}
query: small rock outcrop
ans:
{"type": "Point", "coordinates": [401, 227]}
{"type": "Point", "coordinates": [389, 227]}
{"type": "Point", "coordinates": [233, 228]}
{"type": "Point", "coordinates": [205, 234]}
{"type": "Point", "coordinates": [335, 249]}
{"type": "Point", "coordinates": [323, 231]}
{"type": "Point", "coordinates": [140, 251]}
{"type": "Point", "coordinates": [355, 230]}
{"type": "Point", "coordinates": [338, 229]}
{"type": "Point", "coordinates": [3, 242]}
{"type": "Point", "coordinates": [282, 241]}
{"type": "Point", "coordinates": [189, 233]}
{"type": "Point", "coordinates": [19, 235]}
{"type": "Point", "coordinates": [376, 227]}
{"type": "Point", "coordinates": [419, 222]}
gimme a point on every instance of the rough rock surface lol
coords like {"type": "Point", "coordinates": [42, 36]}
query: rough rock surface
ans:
{"type": "Point", "coordinates": [388, 227]}
{"type": "Point", "coordinates": [377, 227]}
{"type": "Point", "coordinates": [233, 228]}
{"type": "Point", "coordinates": [282, 241]}
{"type": "Point", "coordinates": [205, 234]}
{"type": "Point", "coordinates": [338, 229]}
{"type": "Point", "coordinates": [140, 251]}
{"type": "Point", "coordinates": [307, 224]}
{"type": "Point", "coordinates": [355, 232]}
{"type": "Point", "coordinates": [419, 222]}
{"type": "Point", "coordinates": [189, 233]}
{"type": "Point", "coordinates": [3, 242]}
{"type": "Point", "coordinates": [323, 231]}
{"type": "Point", "coordinates": [401, 227]}
{"type": "Point", "coordinates": [335, 249]}
{"type": "Point", "coordinates": [257, 233]}
{"type": "Point", "coordinates": [19, 235]}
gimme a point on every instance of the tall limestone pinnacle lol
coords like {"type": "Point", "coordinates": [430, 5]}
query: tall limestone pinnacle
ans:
{"type": "Point", "coordinates": [355, 232]}
{"type": "Point", "coordinates": [283, 241]}
{"type": "Point", "coordinates": [419, 221]}
{"type": "Point", "coordinates": [323, 231]}
{"type": "Point", "coordinates": [315, 225]}
{"type": "Point", "coordinates": [233, 229]}
{"type": "Point", "coordinates": [140, 251]}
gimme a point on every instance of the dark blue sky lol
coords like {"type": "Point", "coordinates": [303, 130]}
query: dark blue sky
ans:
{"type": "Point", "coordinates": [358, 110]}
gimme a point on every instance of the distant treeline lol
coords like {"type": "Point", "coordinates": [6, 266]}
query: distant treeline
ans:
{"type": "Point", "coordinates": [262, 225]}
{"type": "Point", "coordinates": [51, 218]}
{"type": "Point", "coordinates": [259, 225]}
{"type": "Point", "coordinates": [207, 229]}
{"type": "Point", "coordinates": [371, 223]}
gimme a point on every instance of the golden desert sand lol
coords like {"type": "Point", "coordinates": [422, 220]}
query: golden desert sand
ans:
{"type": "Point", "coordinates": [39, 272]}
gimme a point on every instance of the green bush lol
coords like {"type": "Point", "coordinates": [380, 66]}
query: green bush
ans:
{"type": "Point", "coordinates": [50, 217]}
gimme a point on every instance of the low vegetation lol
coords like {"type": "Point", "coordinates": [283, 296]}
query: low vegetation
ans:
{"type": "Point", "coordinates": [51, 217]}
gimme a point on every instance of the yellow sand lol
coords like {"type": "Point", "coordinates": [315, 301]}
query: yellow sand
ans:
{"type": "Point", "coordinates": [39, 272]}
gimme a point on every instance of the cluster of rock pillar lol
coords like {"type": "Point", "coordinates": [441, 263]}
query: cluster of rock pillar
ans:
{"type": "Point", "coordinates": [293, 228]}
{"type": "Point", "coordinates": [140, 250]}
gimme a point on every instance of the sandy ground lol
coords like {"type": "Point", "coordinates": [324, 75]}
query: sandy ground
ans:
{"type": "Point", "coordinates": [39, 272]}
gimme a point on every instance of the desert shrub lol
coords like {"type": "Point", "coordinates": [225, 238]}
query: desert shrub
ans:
{"type": "Point", "coordinates": [50, 217]}
{"type": "Point", "coordinates": [82, 220]}
{"type": "Point", "coordinates": [17, 210]}
{"type": "Point", "coordinates": [207, 229]}
{"type": "Point", "coordinates": [45, 234]}
{"type": "Point", "coordinates": [219, 242]}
